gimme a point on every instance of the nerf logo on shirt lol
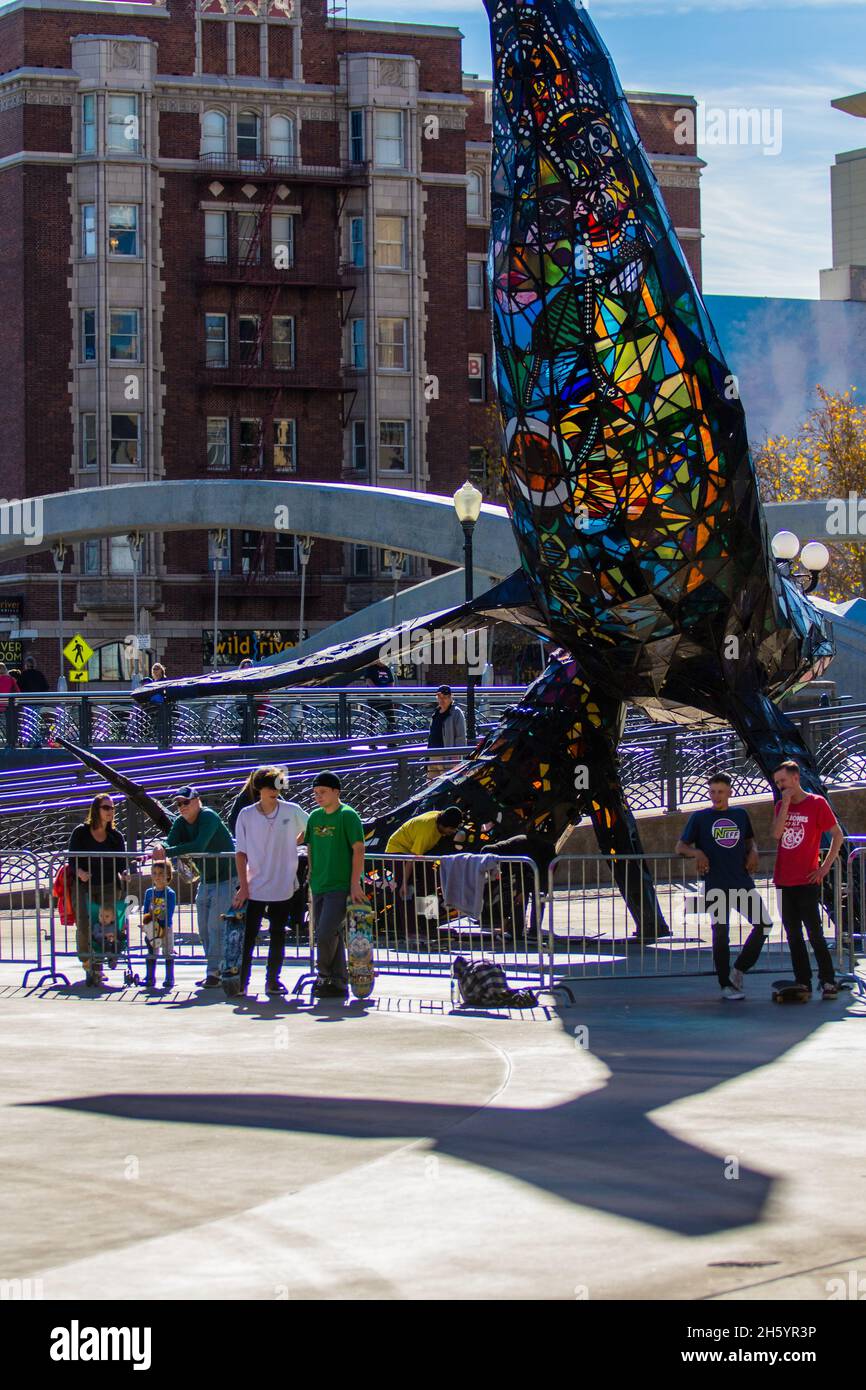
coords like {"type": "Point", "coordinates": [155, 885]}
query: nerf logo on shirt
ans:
{"type": "Point", "coordinates": [726, 834]}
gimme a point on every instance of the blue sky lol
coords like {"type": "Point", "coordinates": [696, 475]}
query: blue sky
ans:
{"type": "Point", "coordinates": [766, 218]}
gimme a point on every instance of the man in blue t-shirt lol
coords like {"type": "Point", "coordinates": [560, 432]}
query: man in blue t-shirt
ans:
{"type": "Point", "coordinates": [722, 843]}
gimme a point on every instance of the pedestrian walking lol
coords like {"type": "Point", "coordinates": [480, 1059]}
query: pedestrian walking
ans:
{"type": "Point", "coordinates": [334, 837]}
{"type": "Point", "coordinates": [95, 878]}
{"type": "Point", "coordinates": [447, 730]}
{"type": "Point", "coordinates": [32, 681]}
{"type": "Point", "coordinates": [8, 685]}
{"type": "Point", "coordinates": [266, 838]}
{"type": "Point", "coordinates": [197, 830]}
{"type": "Point", "coordinates": [721, 841]}
{"type": "Point", "coordinates": [801, 819]}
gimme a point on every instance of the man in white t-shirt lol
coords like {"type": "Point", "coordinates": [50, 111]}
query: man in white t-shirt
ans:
{"type": "Point", "coordinates": [266, 841]}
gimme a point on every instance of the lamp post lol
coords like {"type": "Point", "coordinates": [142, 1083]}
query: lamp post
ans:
{"type": "Point", "coordinates": [467, 505]}
{"type": "Point", "coordinates": [814, 559]}
{"type": "Point", "coordinates": [58, 554]}
{"type": "Point", "coordinates": [219, 548]}
{"type": "Point", "coordinates": [135, 541]}
{"type": "Point", "coordinates": [305, 547]}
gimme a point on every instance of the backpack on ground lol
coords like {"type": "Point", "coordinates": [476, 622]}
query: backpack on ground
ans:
{"type": "Point", "coordinates": [484, 984]}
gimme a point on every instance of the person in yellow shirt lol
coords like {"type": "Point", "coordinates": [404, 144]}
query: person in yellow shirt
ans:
{"type": "Point", "coordinates": [421, 835]}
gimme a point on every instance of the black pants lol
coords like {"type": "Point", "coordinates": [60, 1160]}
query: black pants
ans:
{"type": "Point", "coordinates": [801, 907]}
{"type": "Point", "coordinates": [720, 917]}
{"type": "Point", "coordinates": [277, 915]}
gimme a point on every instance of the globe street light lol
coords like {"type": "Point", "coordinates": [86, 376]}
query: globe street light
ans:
{"type": "Point", "coordinates": [814, 559]}
{"type": "Point", "coordinates": [467, 505]}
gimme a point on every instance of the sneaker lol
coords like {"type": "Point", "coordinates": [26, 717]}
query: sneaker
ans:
{"type": "Point", "coordinates": [730, 993]}
{"type": "Point", "coordinates": [830, 990]}
{"type": "Point", "coordinates": [737, 978]}
{"type": "Point", "coordinates": [326, 990]}
{"type": "Point", "coordinates": [211, 982]}
{"type": "Point", "coordinates": [275, 987]}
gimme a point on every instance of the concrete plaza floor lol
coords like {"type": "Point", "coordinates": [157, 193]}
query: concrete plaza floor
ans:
{"type": "Point", "coordinates": [648, 1141]}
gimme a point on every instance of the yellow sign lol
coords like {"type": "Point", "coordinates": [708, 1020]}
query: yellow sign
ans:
{"type": "Point", "coordinates": [79, 676]}
{"type": "Point", "coordinates": [77, 653]}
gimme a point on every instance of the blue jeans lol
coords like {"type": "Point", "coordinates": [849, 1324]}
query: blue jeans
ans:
{"type": "Point", "coordinates": [212, 899]}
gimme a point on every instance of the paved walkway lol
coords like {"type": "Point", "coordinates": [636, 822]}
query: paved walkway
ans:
{"type": "Point", "coordinates": [184, 1147]}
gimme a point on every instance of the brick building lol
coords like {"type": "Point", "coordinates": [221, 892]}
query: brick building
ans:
{"type": "Point", "coordinates": [242, 238]}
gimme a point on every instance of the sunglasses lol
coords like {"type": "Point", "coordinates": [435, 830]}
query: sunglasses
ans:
{"type": "Point", "coordinates": [186, 800]}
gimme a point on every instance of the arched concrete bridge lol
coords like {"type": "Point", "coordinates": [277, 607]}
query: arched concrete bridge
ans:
{"type": "Point", "coordinates": [420, 524]}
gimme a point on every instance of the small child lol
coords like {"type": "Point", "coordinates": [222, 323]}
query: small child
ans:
{"type": "Point", "coordinates": [158, 914]}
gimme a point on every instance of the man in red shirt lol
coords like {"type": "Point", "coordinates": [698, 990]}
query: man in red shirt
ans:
{"type": "Point", "coordinates": [801, 820]}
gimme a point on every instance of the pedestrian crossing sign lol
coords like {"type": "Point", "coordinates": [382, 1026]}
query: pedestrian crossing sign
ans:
{"type": "Point", "coordinates": [77, 652]}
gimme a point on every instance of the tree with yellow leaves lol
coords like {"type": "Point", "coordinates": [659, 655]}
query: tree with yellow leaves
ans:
{"type": "Point", "coordinates": [826, 459]}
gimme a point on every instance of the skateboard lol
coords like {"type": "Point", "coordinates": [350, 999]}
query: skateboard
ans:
{"type": "Point", "coordinates": [789, 992]}
{"type": "Point", "coordinates": [230, 974]}
{"type": "Point", "coordinates": [360, 925]}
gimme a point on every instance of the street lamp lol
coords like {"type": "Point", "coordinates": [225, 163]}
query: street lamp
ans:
{"type": "Point", "coordinates": [305, 548]}
{"type": "Point", "coordinates": [58, 554]}
{"type": "Point", "coordinates": [219, 540]}
{"type": "Point", "coordinates": [467, 505]}
{"type": "Point", "coordinates": [135, 541]}
{"type": "Point", "coordinates": [814, 559]}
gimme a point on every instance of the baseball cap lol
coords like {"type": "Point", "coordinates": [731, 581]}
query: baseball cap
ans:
{"type": "Point", "coordinates": [328, 779]}
{"type": "Point", "coordinates": [187, 794]}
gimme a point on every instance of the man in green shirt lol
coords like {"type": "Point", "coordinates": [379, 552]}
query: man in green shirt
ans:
{"type": "Point", "coordinates": [334, 837]}
{"type": "Point", "coordinates": [198, 830]}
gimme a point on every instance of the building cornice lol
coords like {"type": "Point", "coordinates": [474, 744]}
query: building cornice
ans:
{"type": "Point", "coordinates": [151, 10]}
{"type": "Point", "coordinates": [387, 26]}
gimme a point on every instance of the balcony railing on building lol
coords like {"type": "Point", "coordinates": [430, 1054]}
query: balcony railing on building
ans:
{"type": "Point", "coordinates": [285, 167]}
{"type": "Point", "coordinates": [241, 271]}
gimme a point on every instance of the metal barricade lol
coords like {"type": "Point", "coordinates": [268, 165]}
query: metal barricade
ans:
{"type": "Point", "coordinates": [429, 909]}
{"type": "Point", "coordinates": [22, 911]}
{"type": "Point", "coordinates": [113, 908]}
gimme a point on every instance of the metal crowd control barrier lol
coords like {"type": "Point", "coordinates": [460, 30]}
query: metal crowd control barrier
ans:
{"type": "Point", "coordinates": [590, 933]}
{"type": "Point", "coordinates": [22, 912]}
{"type": "Point", "coordinates": [126, 943]}
{"type": "Point", "coordinates": [430, 909]}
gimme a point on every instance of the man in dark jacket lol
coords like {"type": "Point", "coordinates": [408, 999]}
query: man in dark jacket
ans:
{"type": "Point", "coordinates": [32, 681]}
{"type": "Point", "coordinates": [447, 730]}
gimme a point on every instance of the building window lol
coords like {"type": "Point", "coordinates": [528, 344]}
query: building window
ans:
{"type": "Point", "coordinates": [286, 554]}
{"type": "Point", "coordinates": [249, 340]}
{"type": "Point", "coordinates": [356, 238]}
{"type": "Point", "coordinates": [251, 445]}
{"type": "Point", "coordinates": [285, 446]}
{"type": "Point", "coordinates": [356, 137]}
{"type": "Point", "coordinates": [283, 343]}
{"type": "Point", "coordinates": [282, 240]}
{"type": "Point", "coordinates": [88, 229]}
{"type": "Point", "coordinates": [282, 135]}
{"type": "Point", "coordinates": [213, 133]}
{"type": "Point", "coordinates": [359, 445]}
{"type": "Point", "coordinates": [475, 281]}
{"type": "Point", "coordinates": [389, 139]}
{"type": "Point", "coordinates": [88, 124]}
{"type": "Point", "coordinates": [123, 133]}
{"type": "Point", "coordinates": [249, 242]}
{"type": "Point", "coordinates": [251, 542]}
{"type": "Point", "coordinates": [216, 335]}
{"type": "Point", "coordinates": [218, 455]}
{"type": "Point", "coordinates": [215, 237]}
{"type": "Point", "coordinates": [122, 229]}
{"type": "Point", "coordinates": [361, 561]}
{"type": "Point", "coordinates": [477, 377]}
{"type": "Point", "coordinates": [87, 442]}
{"type": "Point", "coordinates": [393, 445]}
{"type": "Point", "coordinates": [88, 335]}
{"type": "Point", "coordinates": [221, 553]}
{"type": "Point", "coordinates": [478, 467]}
{"type": "Point", "coordinates": [120, 558]}
{"type": "Point", "coordinates": [359, 345]}
{"type": "Point", "coordinates": [474, 195]}
{"type": "Point", "coordinates": [125, 441]}
{"type": "Point", "coordinates": [391, 345]}
{"type": "Point", "coordinates": [90, 558]}
{"type": "Point", "coordinates": [123, 336]}
{"type": "Point", "coordinates": [249, 135]}
{"type": "Point", "coordinates": [391, 243]}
